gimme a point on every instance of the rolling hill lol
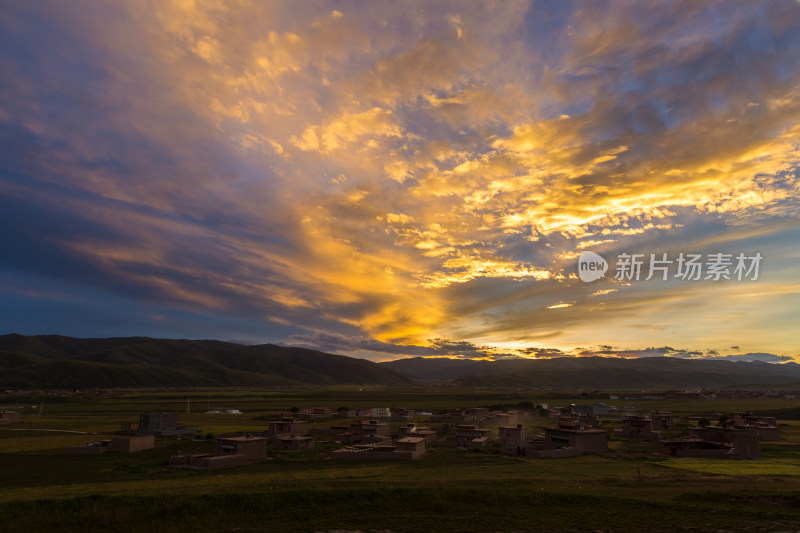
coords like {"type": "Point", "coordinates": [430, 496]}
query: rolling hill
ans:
{"type": "Point", "coordinates": [52, 361]}
{"type": "Point", "coordinates": [600, 373]}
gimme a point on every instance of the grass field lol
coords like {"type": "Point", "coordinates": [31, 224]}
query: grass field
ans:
{"type": "Point", "coordinates": [628, 489]}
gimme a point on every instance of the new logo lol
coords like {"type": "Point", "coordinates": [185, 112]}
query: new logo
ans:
{"type": "Point", "coordinates": [591, 266]}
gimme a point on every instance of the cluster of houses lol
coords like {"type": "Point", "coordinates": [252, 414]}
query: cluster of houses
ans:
{"type": "Point", "coordinates": [566, 432]}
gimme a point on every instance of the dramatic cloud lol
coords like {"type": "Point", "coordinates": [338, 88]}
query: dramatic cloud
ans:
{"type": "Point", "coordinates": [371, 178]}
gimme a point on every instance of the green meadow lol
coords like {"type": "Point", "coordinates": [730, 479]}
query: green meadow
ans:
{"type": "Point", "coordinates": [628, 489]}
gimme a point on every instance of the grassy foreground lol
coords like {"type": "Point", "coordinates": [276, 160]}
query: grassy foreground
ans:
{"type": "Point", "coordinates": [628, 489]}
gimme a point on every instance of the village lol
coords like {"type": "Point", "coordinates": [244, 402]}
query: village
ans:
{"type": "Point", "coordinates": [381, 433]}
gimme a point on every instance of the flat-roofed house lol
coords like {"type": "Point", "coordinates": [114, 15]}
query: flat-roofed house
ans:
{"type": "Point", "coordinates": [287, 425]}
{"type": "Point", "coordinates": [662, 420]}
{"type": "Point", "coordinates": [294, 443]}
{"type": "Point", "coordinates": [369, 431]}
{"type": "Point", "coordinates": [560, 442]}
{"type": "Point", "coordinates": [506, 419]}
{"type": "Point", "coordinates": [714, 442]}
{"type": "Point", "coordinates": [161, 424]}
{"type": "Point", "coordinates": [637, 427]}
{"type": "Point", "coordinates": [406, 448]}
{"type": "Point", "coordinates": [764, 427]}
{"type": "Point", "coordinates": [231, 451]}
{"type": "Point", "coordinates": [471, 436]}
{"type": "Point", "coordinates": [134, 443]}
{"type": "Point", "coordinates": [9, 417]}
{"type": "Point", "coordinates": [513, 435]}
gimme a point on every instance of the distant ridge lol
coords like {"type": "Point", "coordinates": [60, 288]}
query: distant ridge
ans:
{"type": "Point", "coordinates": [53, 361]}
{"type": "Point", "coordinates": [601, 373]}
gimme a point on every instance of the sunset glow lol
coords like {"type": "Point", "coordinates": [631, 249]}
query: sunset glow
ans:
{"type": "Point", "coordinates": [388, 179]}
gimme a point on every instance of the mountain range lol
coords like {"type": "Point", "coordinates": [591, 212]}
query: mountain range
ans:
{"type": "Point", "coordinates": [601, 373]}
{"type": "Point", "coordinates": [52, 361]}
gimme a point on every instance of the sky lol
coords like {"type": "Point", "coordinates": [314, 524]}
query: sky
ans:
{"type": "Point", "coordinates": [391, 179]}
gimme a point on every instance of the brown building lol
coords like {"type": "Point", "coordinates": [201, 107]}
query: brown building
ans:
{"type": "Point", "coordinates": [714, 442]}
{"type": "Point", "coordinates": [369, 431]}
{"type": "Point", "coordinates": [413, 430]}
{"type": "Point", "coordinates": [231, 451]}
{"type": "Point", "coordinates": [479, 413]}
{"type": "Point", "coordinates": [512, 435]}
{"type": "Point", "coordinates": [764, 427]}
{"type": "Point", "coordinates": [404, 414]}
{"type": "Point", "coordinates": [576, 421]}
{"type": "Point", "coordinates": [114, 445]}
{"type": "Point", "coordinates": [287, 425]}
{"type": "Point", "coordinates": [662, 421]}
{"type": "Point", "coordinates": [559, 442]}
{"type": "Point", "coordinates": [9, 417]}
{"type": "Point", "coordinates": [131, 444]}
{"type": "Point", "coordinates": [506, 419]}
{"type": "Point", "coordinates": [514, 440]}
{"type": "Point", "coordinates": [161, 424]}
{"type": "Point", "coordinates": [637, 427]}
{"type": "Point", "coordinates": [406, 448]}
{"type": "Point", "coordinates": [470, 436]}
{"type": "Point", "coordinates": [294, 443]}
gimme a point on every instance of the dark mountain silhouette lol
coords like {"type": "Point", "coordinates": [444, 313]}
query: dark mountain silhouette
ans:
{"type": "Point", "coordinates": [600, 373]}
{"type": "Point", "coordinates": [432, 368]}
{"type": "Point", "coordinates": [52, 361]}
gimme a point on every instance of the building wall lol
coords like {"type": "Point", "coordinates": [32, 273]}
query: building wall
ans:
{"type": "Point", "coordinates": [251, 448]}
{"type": "Point", "coordinates": [131, 444]}
{"type": "Point", "coordinates": [506, 419]}
{"type": "Point", "coordinates": [296, 444]}
{"type": "Point", "coordinates": [9, 417]}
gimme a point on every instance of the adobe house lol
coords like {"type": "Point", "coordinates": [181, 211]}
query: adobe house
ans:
{"type": "Point", "coordinates": [287, 425]}
{"type": "Point", "coordinates": [662, 420]}
{"type": "Point", "coordinates": [114, 445]}
{"type": "Point", "coordinates": [479, 413]}
{"type": "Point", "coordinates": [729, 441]}
{"type": "Point", "coordinates": [506, 419]}
{"type": "Point", "coordinates": [637, 427]}
{"type": "Point", "coordinates": [513, 439]}
{"type": "Point", "coordinates": [231, 451]}
{"type": "Point", "coordinates": [470, 436]}
{"type": "Point", "coordinates": [718, 443]}
{"type": "Point", "coordinates": [294, 443]}
{"type": "Point", "coordinates": [752, 418]}
{"type": "Point", "coordinates": [160, 424]}
{"type": "Point", "coordinates": [512, 435]}
{"type": "Point", "coordinates": [597, 409]}
{"type": "Point", "coordinates": [764, 427]}
{"type": "Point", "coordinates": [412, 430]}
{"type": "Point", "coordinates": [339, 432]}
{"type": "Point", "coordinates": [406, 448]}
{"type": "Point", "coordinates": [131, 444]}
{"type": "Point", "coordinates": [404, 414]}
{"type": "Point", "coordinates": [9, 417]}
{"type": "Point", "coordinates": [559, 442]}
{"type": "Point", "coordinates": [578, 421]}
{"type": "Point", "coordinates": [365, 431]}
{"type": "Point", "coordinates": [454, 416]}
{"type": "Point", "coordinates": [408, 429]}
